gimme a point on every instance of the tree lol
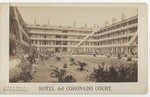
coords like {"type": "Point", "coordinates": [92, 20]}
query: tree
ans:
{"type": "Point", "coordinates": [113, 74]}
{"type": "Point", "coordinates": [61, 75]}
{"type": "Point", "coordinates": [97, 75]}
{"type": "Point", "coordinates": [119, 56]}
{"type": "Point", "coordinates": [58, 73]}
{"type": "Point", "coordinates": [82, 65]}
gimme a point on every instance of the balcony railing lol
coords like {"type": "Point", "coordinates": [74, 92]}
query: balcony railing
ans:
{"type": "Point", "coordinates": [105, 46]}
{"type": "Point", "coordinates": [58, 28]}
{"type": "Point", "coordinates": [70, 46]}
{"type": "Point", "coordinates": [56, 39]}
{"type": "Point", "coordinates": [115, 30]}
{"type": "Point", "coordinates": [83, 46]}
{"type": "Point", "coordinates": [110, 38]}
{"type": "Point", "coordinates": [56, 33]}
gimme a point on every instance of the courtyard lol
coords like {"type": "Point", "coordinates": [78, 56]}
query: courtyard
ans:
{"type": "Point", "coordinates": [46, 70]}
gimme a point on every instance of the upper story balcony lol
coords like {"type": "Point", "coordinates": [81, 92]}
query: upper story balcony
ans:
{"type": "Point", "coordinates": [85, 46]}
{"type": "Point", "coordinates": [56, 39]}
{"type": "Point", "coordinates": [58, 28]}
{"type": "Point", "coordinates": [123, 23]}
{"type": "Point", "coordinates": [119, 29]}
{"type": "Point", "coordinates": [110, 38]}
{"type": "Point", "coordinates": [57, 33]}
{"type": "Point", "coordinates": [70, 46]}
{"type": "Point", "coordinates": [104, 46]}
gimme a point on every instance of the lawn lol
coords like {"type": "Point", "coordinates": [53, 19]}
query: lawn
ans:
{"type": "Point", "coordinates": [42, 71]}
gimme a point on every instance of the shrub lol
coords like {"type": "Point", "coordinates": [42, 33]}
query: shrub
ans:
{"type": "Point", "coordinates": [69, 78]}
{"type": "Point", "coordinates": [119, 56]}
{"type": "Point", "coordinates": [133, 72]}
{"type": "Point", "coordinates": [14, 78]}
{"type": "Point", "coordinates": [65, 66]}
{"type": "Point", "coordinates": [61, 75]}
{"type": "Point", "coordinates": [26, 76]}
{"type": "Point", "coordinates": [82, 65]}
{"type": "Point", "coordinates": [26, 67]}
{"type": "Point", "coordinates": [115, 74]}
{"type": "Point", "coordinates": [129, 59]}
{"type": "Point", "coordinates": [108, 56]}
{"type": "Point", "coordinates": [128, 74]}
{"type": "Point", "coordinates": [47, 57]}
{"type": "Point", "coordinates": [94, 55]}
{"type": "Point", "coordinates": [58, 58]}
{"type": "Point", "coordinates": [103, 64]}
{"type": "Point", "coordinates": [97, 75]}
{"type": "Point", "coordinates": [58, 73]}
{"type": "Point", "coordinates": [26, 73]}
{"type": "Point", "coordinates": [71, 59]}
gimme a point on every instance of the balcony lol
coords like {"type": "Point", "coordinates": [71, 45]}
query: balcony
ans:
{"type": "Point", "coordinates": [69, 46]}
{"type": "Point", "coordinates": [56, 33]}
{"type": "Point", "coordinates": [110, 38]}
{"type": "Point", "coordinates": [58, 28]}
{"type": "Point", "coordinates": [56, 39]}
{"type": "Point", "coordinates": [115, 30]}
{"type": "Point", "coordinates": [105, 46]}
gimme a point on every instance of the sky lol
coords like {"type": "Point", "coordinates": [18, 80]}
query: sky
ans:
{"type": "Point", "coordinates": [80, 15]}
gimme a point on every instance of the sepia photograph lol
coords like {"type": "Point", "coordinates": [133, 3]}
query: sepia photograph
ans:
{"type": "Point", "coordinates": [73, 44]}
{"type": "Point", "coordinates": [74, 48]}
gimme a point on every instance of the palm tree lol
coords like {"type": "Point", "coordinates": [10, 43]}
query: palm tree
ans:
{"type": "Point", "coordinates": [82, 65]}
{"type": "Point", "coordinates": [58, 73]}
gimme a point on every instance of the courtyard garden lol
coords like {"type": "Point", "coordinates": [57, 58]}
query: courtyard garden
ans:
{"type": "Point", "coordinates": [59, 68]}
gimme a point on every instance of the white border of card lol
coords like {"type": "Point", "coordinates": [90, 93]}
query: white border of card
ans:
{"type": "Point", "coordinates": [141, 86]}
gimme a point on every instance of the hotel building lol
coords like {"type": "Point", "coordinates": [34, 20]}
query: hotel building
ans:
{"type": "Point", "coordinates": [117, 38]}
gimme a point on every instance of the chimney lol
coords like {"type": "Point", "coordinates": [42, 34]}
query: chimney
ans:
{"type": "Point", "coordinates": [74, 24]}
{"type": "Point", "coordinates": [48, 22]}
{"type": "Point", "coordinates": [97, 26]}
{"type": "Point", "coordinates": [35, 21]}
{"type": "Point", "coordinates": [113, 20]}
{"type": "Point", "coordinates": [123, 16]}
{"type": "Point", "coordinates": [94, 25]}
{"type": "Point", "coordinates": [106, 23]}
{"type": "Point", "coordinates": [85, 25]}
